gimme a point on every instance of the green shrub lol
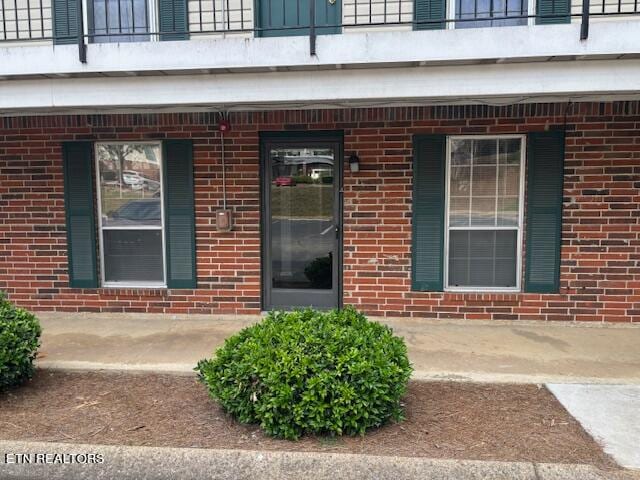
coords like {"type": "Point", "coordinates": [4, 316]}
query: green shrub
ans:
{"type": "Point", "coordinates": [310, 372]}
{"type": "Point", "coordinates": [19, 341]}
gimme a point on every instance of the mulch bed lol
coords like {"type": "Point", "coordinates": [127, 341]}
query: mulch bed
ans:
{"type": "Point", "coordinates": [444, 420]}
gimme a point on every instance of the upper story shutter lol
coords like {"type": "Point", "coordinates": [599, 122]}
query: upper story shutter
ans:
{"type": "Point", "coordinates": [80, 215]}
{"type": "Point", "coordinates": [553, 11]}
{"type": "Point", "coordinates": [65, 22]}
{"type": "Point", "coordinates": [545, 171]}
{"type": "Point", "coordinates": [179, 214]}
{"type": "Point", "coordinates": [173, 19]}
{"type": "Point", "coordinates": [429, 163]}
{"type": "Point", "coordinates": [428, 13]}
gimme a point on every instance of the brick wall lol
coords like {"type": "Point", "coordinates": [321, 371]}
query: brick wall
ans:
{"type": "Point", "coordinates": [600, 277]}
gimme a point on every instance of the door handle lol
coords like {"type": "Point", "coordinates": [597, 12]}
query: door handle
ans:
{"type": "Point", "coordinates": [337, 231]}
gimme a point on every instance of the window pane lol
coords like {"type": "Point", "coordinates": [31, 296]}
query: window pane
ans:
{"type": "Point", "coordinates": [130, 190]}
{"type": "Point", "coordinates": [483, 211]}
{"type": "Point", "coordinates": [484, 181]}
{"type": "Point", "coordinates": [510, 150]}
{"type": "Point", "coordinates": [133, 256]}
{"type": "Point", "coordinates": [460, 182]}
{"type": "Point", "coordinates": [461, 152]}
{"type": "Point", "coordinates": [508, 180]}
{"type": "Point", "coordinates": [485, 152]}
{"type": "Point", "coordinates": [482, 258]}
{"type": "Point", "coordinates": [508, 211]}
{"type": "Point", "coordinates": [459, 212]}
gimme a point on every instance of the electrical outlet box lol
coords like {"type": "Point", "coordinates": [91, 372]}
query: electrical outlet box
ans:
{"type": "Point", "coordinates": [224, 220]}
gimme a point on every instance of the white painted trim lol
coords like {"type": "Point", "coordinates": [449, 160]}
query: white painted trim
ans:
{"type": "Point", "coordinates": [518, 228]}
{"type": "Point", "coordinates": [497, 84]}
{"type": "Point", "coordinates": [101, 228]}
{"type": "Point", "coordinates": [357, 49]}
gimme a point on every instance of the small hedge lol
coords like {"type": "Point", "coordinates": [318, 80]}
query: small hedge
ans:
{"type": "Point", "coordinates": [310, 372]}
{"type": "Point", "coordinates": [19, 341]}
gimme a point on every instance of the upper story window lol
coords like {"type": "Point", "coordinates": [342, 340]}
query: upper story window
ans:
{"type": "Point", "coordinates": [484, 212]}
{"type": "Point", "coordinates": [118, 20]}
{"type": "Point", "coordinates": [490, 13]}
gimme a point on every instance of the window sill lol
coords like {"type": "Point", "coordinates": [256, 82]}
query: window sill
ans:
{"type": "Point", "coordinates": [481, 290]}
{"type": "Point", "coordinates": [150, 286]}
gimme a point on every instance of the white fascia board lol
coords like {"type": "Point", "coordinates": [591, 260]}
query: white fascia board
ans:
{"type": "Point", "coordinates": [469, 83]}
{"type": "Point", "coordinates": [506, 44]}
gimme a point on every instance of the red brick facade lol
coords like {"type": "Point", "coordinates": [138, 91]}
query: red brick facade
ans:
{"type": "Point", "coordinates": [600, 274]}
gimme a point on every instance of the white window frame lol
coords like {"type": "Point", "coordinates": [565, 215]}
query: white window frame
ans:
{"type": "Point", "coordinates": [451, 14]}
{"type": "Point", "coordinates": [101, 228]}
{"type": "Point", "coordinates": [519, 237]}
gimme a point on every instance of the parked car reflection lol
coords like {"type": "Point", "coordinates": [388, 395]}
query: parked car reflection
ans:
{"type": "Point", "coordinates": [144, 211]}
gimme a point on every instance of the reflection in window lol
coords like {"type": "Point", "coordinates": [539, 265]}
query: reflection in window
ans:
{"type": "Point", "coordinates": [131, 226]}
{"type": "Point", "coordinates": [302, 229]}
{"type": "Point", "coordinates": [484, 212]}
{"type": "Point", "coordinates": [490, 13]}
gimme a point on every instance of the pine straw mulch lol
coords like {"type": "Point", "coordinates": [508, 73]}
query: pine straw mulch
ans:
{"type": "Point", "coordinates": [444, 420]}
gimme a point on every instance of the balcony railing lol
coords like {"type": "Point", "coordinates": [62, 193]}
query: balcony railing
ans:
{"type": "Point", "coordinates": [103, 21]}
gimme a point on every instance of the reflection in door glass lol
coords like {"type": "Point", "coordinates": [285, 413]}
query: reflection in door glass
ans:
{"type": "Point", "coordinates": [302, 217]}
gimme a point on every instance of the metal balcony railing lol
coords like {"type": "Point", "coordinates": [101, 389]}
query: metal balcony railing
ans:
{"type": "Point", "coordinates": [101, 21]}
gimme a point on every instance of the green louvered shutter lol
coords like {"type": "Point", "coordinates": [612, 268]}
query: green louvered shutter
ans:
{"type": "Point", "coordinates": [80, 216]}
{"type": "Point", "coordinates": [428, 212]}
{"type": "Point", "coordinates": [173, 19]}
{"type": "Point", "coordinates": [179, 214]}
{"type": "Point", "coordinates": [553, 11]}
{"type": "Point", "coordinates": [431, 11]}
{"type": "Point", "coordinates": [65, 22]}
{"type": "Point", "coordinates": [545, 171]}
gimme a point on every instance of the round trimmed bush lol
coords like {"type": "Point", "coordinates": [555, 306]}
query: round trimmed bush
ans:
{"type": "Point", "coordinates": [19, 341]}
{"type": "Point", "coordinates": [310, 372]}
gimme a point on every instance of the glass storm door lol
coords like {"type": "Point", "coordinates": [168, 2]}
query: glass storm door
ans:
{"type": "Point", "coordinates": [301, 221]}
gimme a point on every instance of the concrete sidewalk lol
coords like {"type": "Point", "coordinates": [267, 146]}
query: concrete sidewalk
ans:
{"type": "Point", "coordinates": [470, 351]}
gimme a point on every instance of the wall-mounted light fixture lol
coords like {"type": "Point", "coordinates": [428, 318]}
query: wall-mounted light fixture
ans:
{"type": "Point", "coordinates": [354, 163]}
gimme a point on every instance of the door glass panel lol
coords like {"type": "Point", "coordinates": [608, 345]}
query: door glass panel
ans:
{"type": "Point", "coordinates": [303, 229]}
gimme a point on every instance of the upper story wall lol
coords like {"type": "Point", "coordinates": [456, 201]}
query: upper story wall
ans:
{"type": "Point", "coordinates": [231, 64]}
{"type": "Point", "coordinates": [25, 21]}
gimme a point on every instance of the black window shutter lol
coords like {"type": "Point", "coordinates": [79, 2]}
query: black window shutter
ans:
{"type": "Point", "coordinates": [429, 163]}
{"type": "Point", "coordinates": [545, 171]}
{"type": "Point", "coordinates": [553, 11]}
{"type": "Point", "coordinates": [80, 216]}
{"type": "Point", "coordinates": [65, 22]}
{"type": "Point", "coordinates": [179, 221]}
{"type": "Point", "coordinates": [173, 19]}
{"type": "Point", "coordinates": [429, 14]}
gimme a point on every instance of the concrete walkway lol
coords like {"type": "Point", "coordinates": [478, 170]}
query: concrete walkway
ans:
{"type": "Point", "coordinates": [478, 351]}
{"type": "Point", "coordinates": [611, 415]}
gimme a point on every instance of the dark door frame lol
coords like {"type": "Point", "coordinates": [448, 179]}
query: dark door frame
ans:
{"type": "Point", "coordinates": [307, 138]}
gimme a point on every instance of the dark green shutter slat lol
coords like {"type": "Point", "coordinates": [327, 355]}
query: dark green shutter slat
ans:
{"type": "Point", "coordinates": [428, 212]}
{"type": "Point", "coordinates": [173, 19]}
{"type": "Point", "coordinates": [65, 22]}
{"type": "Point", "coordinates": [545, 171]}
{"type": "Point", "coordinates": [429, 14]}
{"type": "Point", "coordinates": [553, 11]}
{"type": "Point", "coordinates": [179, 214]}
{"type": "Point", "coordinates": [80, 216]}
